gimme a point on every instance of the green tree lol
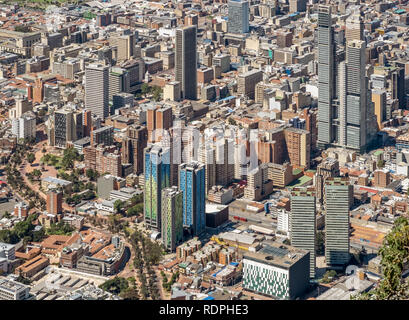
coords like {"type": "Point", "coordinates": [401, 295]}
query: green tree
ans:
{"type": "Point", "coordinates": [90, 186]}
{"type": "Point", "coordinates": [115, 286]}
{"type": "Point", "coordinates": [53, 161]}
{"type": "Point", "coordinates": [320, 243]}
{"type": "Point", "coordinates": [60, 228]}
{"type": "Point", "coordinates": [8, 236]}
{"type": "Point", "coordinates": [135, 210]}
{"type": "Point", "coordinates": [145, 89]}
{"type": "Point", "coordinates": [31, 158]}
{"type": "Point", "coordinates": [88, 195]}
{"type": "Point", "coordinates": [153, 251]}
{"type": "Point", "coordinates": [114, 222]}
{"type": "Point", "coordinates": [91, 174]}
{"type": "Point", "coordinates": [144, 291]}
{"type": "Point", "coordinates": [138, 198]}
{"type": "Point", "coordinates": [329, 276]}
{"type": "Point", "coordinates": [380, 164]}
{"type": "Point", "coordinates": [23, 280]}
{"type": "Point", "coordinates": [394, 256]}
{"type": "Point", "coordinates": [232, 121]}
{"type": "Point", "coordinates": [130, 294]}
{"type": "Point", "coordinates": [118, 206]}
{"type": "Point", "coordinates": [37, 173]}
{"type": "Point", "coordinates": [22, 28]}
{"type": "Point", "coordinates": [157, 93]}
{"type": "Point", "coordinates": [76, 187]}
{"type": "Point", "coordinates": [70, 155]}
{"type": "Point", "coordinates": [45, 158]}
{"type": "Point", "coordinates": [38, 236]}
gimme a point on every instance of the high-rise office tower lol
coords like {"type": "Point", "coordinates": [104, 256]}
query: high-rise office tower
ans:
{"type": "Point", "coordinates": [68, 127]}
{"type": "Point", "coordinates": [298, 5]}
{"type": "Point", "coordinates": [354, 27]}
{"type": "Point", "coordinates": [356, 96]}
{"type": "Point", "coordinates": [157, 177]}
{"type": "Point", "coordinates": [133, 145]}
{"type": "Point", "coordinates": [125, 46]}
{"type": "Point", "coordinates": [22, 106]}
{"type": "Point", "coordinates": [218, 159]}
{"type": "Point", "coordinates": [397, 83]}
{"type": "Point", "coordinates": [326, 77]}
{"type": "Point", "coordinates": [298, 143]}
{"type": "Point", "coordinates": [192, 184]}
{"type": "Point", "coordinates": [328, 168]}
{"type": "Point", "coordinates": [224, 161]}
{"type": "Point", "coordinates": [24, 127]}
{"type": "Point", "coordinates": [337, 203]}
{"type": "Point", "coordinates": [238, 16]}
{"type": "Point", "coordinates": [158, 119]}
{"type": "Point", "coordinates": [121, 100]}
{"type": "Point", "coordinates": [136, 71]}
{"type": "Point", "coordinates": [118, 81]}
{"type": "Point", "coordinates": [172, 217]}
{"type": "Point", "coordinates": [341, 137]}
{"type": "Point", "coordinates": [246, 82]}
{"type": "Point", "coordinates": [103, 135]}
{"type": "Point", "coordinates": [97, 89]}
{"type": "Point", "coordinates": [379, 100]}
{"type": "Point", "coordinates": [105, 54]}
{"type": "Point", "coordinates": [186, 61]}
{"type": "Point", "coordinates": [303, 222]}
{"type": "Point", "coordinates": [207, 156]}
{"type": "Point", "coordinates": [87, 122]}
{"type": "Point", "coordinates": [54, 202]}
{"type": "Point", "coordinates": [345, 111]}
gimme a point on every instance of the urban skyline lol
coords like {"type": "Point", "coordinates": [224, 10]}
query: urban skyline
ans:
{"type": "Point", "coordinates": [218, 150]}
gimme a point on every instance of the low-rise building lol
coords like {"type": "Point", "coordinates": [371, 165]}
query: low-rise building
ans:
{"type": "Point", "coordinates": [32, 267]}
{"type": "Point", "coordinates": [216, 215]}
{"type": "Point", "coordinates": [13, 290]}
{"type": "Point", "coordinates": [74, 220]}
{"type": "Point", "coordinates": [277, 270]}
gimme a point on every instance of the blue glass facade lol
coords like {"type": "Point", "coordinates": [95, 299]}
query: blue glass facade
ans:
{"type": "Point", "coordinates": [157, 177]}
{"type": "Point", "coordinates": [192, 184]}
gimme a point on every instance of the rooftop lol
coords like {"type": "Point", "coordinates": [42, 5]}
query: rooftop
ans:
{"type": "Point", "coordinates": [11, 286]}
{"type": "Point", "coordinates": [277, 254]}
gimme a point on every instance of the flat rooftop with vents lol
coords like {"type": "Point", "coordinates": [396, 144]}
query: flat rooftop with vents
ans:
{"type": "Point", "coordinates": [277, 254]}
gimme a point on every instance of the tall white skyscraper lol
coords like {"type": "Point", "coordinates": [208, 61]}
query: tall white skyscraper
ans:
{"type": "Point", "coordinates": [97, 89]}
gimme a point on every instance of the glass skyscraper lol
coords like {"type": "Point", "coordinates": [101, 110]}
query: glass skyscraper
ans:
{"type": "Point", "coordinates": [172, 217]}
{"type": "Point", "coordinates": [192, 184]}
{"type": "Point", "coordinates": [238, 16]}
{"type": "Point", "coordinates": [157, 177]}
